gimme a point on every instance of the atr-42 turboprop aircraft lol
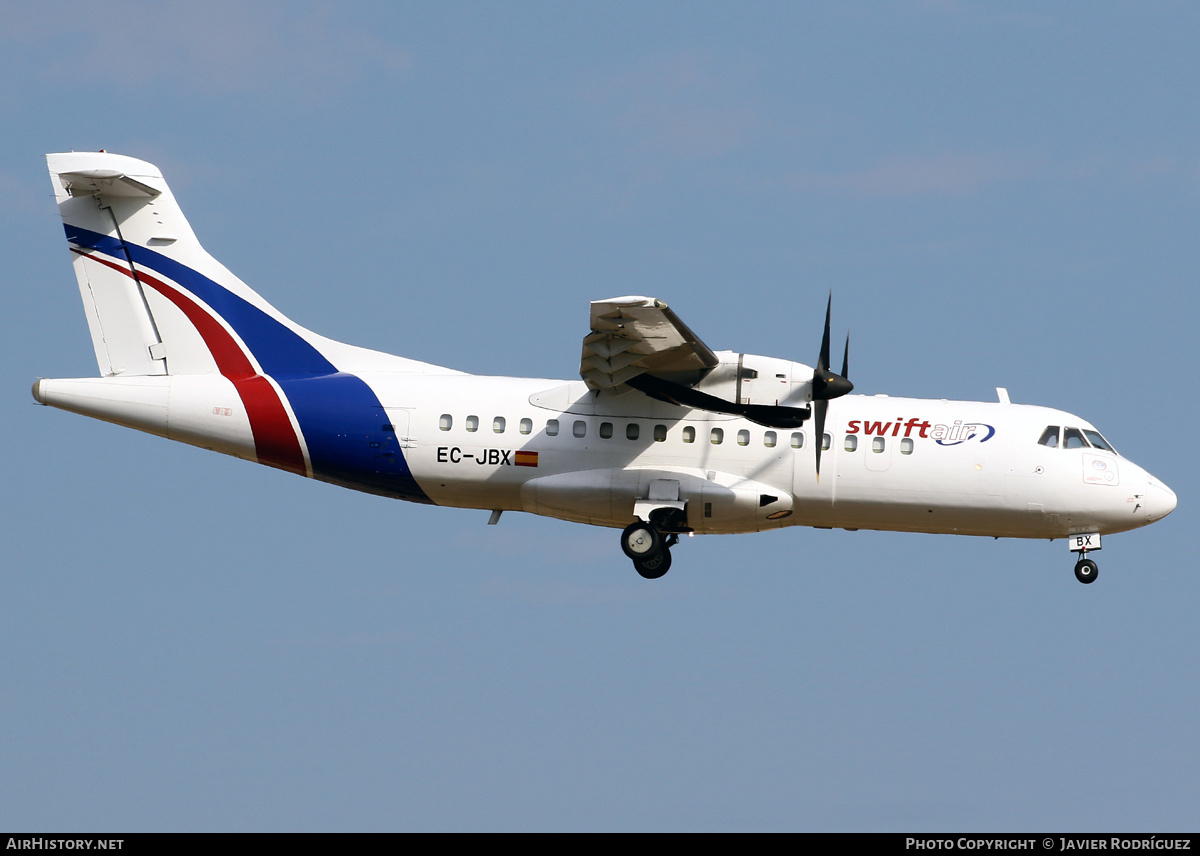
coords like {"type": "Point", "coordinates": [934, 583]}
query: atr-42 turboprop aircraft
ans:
{"type": "Point", "coordinates": [662, 436]}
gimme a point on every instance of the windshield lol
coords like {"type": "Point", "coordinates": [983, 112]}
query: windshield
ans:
{"type": "Point", "coordinates": [1099, 442]}
{"type": "Point", "coordinates": [1056, 437]}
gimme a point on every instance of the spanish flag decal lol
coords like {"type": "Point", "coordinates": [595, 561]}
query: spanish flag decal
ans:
{"type": "Point", "coordinates": [525, 459]}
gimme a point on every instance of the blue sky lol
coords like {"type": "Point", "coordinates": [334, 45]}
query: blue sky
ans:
{"type": "Point", "coordinates": [996, 195]}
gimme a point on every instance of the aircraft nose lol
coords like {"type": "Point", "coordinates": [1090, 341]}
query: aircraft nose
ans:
{"type": "Point", "coordinates": [1160, 500]}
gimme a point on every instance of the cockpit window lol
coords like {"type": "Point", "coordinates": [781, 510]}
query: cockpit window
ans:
{"type": "Point", "coordinates": [1073, 439]}
{"type": "Point", "coordinates": [1050, 437]}
{"type": "Point", "coordinates": [1098, 441]}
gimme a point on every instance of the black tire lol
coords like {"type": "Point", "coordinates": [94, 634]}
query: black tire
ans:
{"type": "Point", "coordinates": [1086, 571]}
{"type": "Point", "coordinates": [640, 540]}
{"type": "Point", "coordinates": [655, 567]}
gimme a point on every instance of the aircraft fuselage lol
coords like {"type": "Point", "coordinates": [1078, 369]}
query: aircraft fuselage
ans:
{"type": "Point", "coordinates": [555, 448]}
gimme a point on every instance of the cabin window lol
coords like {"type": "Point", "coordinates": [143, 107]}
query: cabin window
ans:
{"type": "Point", "coordinates": [826, 442]}
{"type": "Point", "coordinates": [716, 436]}
{"type": "Point", "coordinates": [851, 442]}
{"type": "Point", "coordinates": [877, 445]}
{"type": "Point", "coordinates": [1098, 441]}
{"type": "Point", "coordinates": [632, 431]}
{"type": "Point", "coordinates": [769, 439]}
{"type": "Point", "coordinates": [606, 430]}
{"type": "Point", "coordinates": [689, 434]}
{"type": "Point", "coordinates": [1050, 437]}
{"type": "Point", "coordinates": [498, 425]}
{"type": "Point", "coordinates": [1073, 439]}
{"type": "Point", "coordinates": [445, 422]}
{"type": "Point", "coordinates": [906, 446]}
{"type": "Point", "coordinates": [579, 429]}
{"type": "Point", "coordinates": [660, 433]}
{"type": "Point", "coordinates": [797, 440]}
{"type": "Point", "coordinates": [526, 426]}
{"type": "Point", "coordinates": [743, 437]}
{"type": "Point", "coordinates": [472, 423]}
{"type": "Point", "coordinates": [552, 428]}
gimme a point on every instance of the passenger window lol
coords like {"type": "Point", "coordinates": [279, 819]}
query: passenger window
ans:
{"type": "Point", "coordinates": [1050, 437]}
{"type": "Point", "coordinates": [769, 439]}
{"type": "Point", "coordinates": [851, 442]}
{"type": "Point", "coordinates": [606, 430]}
{"type": "Point", "coordinates": [632, 431]}
{"type": "Point", "coordinates": [716, 436]}
{"type": "Point", "coordinates": [498, 425]}
{"type": "Point", "coordinates": [579, 429]}
{"type": "Point", "coordinates": [552, 428]}
{"type": "Point", "coordinates": [660, 433]}
{"type": "Point", "coordinates": [906, 446]}
{"type": "Point", "coordinates": [878, 444]}
{"type": "Point", "coordinates": [743, 437]}
{"type": "Point", "coordinates": [472, 423]}
{"type": "Point", "coordinates": [797, 440]}
{"type": "Point", "coordinates": [526, 426]}
{"type": "Point", "coordinates": [826, 442]}
{"type": "Point", "coordinates": [445, 422]}
{"type": "Point", "coordinates": [1073, 439]}
{"type": "Point", "coordinates": [689, 434]}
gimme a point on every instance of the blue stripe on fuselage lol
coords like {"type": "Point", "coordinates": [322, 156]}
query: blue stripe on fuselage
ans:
{"type": "Point", "coordinates": [344, 425]}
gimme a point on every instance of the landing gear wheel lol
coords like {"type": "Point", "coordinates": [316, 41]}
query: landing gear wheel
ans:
{"type": "Point", "coordinates": [644, 545]}
{"type": "Point", "coordinates": [641, 541]}
{"type": "Point", "coordinates": [654, 568]}
{"type": "Point", "coordinates": [1086, 571]}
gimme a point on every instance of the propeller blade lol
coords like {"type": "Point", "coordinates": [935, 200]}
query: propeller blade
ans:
{"type": "Point", "coordinates": [819, 435]}
{"type": "Point", "coordinates": [823, 360]}
{"type": "Point", "coordinates": [826, 385]}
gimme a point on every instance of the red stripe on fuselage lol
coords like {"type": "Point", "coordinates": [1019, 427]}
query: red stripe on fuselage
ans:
{"type": "Point", "coordinates": [275, 440]}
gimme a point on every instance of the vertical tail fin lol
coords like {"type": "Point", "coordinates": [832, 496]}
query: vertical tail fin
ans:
{"type": "Point", "coordinates": [187, 350]}
{"type": "Point", "coordinates": [156, 301]}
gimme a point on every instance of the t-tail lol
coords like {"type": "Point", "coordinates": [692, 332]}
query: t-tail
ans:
{"type": "Point", "coordinates": [188, 351]}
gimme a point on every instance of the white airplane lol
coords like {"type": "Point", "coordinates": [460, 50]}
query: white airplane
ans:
{"type": "Point", "coordinates": [661, 437]}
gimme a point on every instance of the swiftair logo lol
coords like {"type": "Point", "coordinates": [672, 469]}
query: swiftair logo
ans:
{"type": "Point", "coordinates": [944, 435]}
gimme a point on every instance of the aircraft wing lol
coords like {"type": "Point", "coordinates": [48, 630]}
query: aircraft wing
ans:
{"type": "Point", "coordinates": [632, 336]}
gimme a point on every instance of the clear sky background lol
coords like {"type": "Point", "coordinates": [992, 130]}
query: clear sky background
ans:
{"type": "Point", "coordinates": [996, 194]}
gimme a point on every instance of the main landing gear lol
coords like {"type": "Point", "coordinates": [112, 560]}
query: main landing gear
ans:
{"type": "Point", "coordinates": [648, 549]}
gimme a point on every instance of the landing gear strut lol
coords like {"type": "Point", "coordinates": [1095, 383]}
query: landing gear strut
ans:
{"type": "Point", "coordinates": [647, 549]}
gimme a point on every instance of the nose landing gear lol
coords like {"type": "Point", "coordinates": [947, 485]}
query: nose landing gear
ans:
{"type": "Point", "coordinates": [1085, 569]}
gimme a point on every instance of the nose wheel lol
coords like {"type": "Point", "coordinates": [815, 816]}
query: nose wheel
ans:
{"type": "Point", "coordinates": [647, 549]}
{"type": "Point", "coordinates": [1086, 571]}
